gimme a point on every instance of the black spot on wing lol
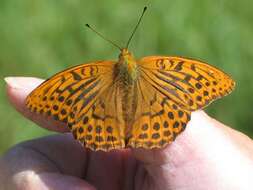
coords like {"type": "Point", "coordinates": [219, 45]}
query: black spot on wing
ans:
{"type": "Point", "coordinates": [75, 75]}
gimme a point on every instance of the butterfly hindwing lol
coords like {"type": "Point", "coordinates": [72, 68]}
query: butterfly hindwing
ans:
{"type": "Point", "coordinates": [158, 120]}
{"type": "Point", "coordinates": [99, 125]}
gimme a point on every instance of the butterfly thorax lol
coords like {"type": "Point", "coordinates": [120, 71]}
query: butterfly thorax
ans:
{"type": "Point", "coordinates": [127, 67]}
{"type": "Point", "coordinates": [126, 71]}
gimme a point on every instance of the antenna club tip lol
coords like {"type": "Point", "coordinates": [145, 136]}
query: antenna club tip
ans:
{"type": "Point", "coordinates": [145, 8]}
{"type": "Point", "coordinates": [87, 25]}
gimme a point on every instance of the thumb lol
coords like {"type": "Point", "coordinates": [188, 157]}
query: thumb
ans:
{"type": "Point", "coordinates": [181, 147]}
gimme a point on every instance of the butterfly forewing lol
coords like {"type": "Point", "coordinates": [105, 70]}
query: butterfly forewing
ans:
{"type": "Point", "coordinates": [190, 84]}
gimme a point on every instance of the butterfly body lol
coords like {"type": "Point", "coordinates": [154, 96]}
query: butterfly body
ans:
{"type": "Point", "coordinates": [129, 103]}
{"type": "Point", "coordinates": [126, 75]}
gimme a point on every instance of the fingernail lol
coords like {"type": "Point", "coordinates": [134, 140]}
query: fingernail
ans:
{"type": "Point", "coordinates": [13, 82]}
{"type": "Point", "coordinates": [22, 82]}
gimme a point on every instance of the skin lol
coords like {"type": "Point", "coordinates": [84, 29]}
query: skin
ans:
{"type": "Point", "coordinates": [207, 155]}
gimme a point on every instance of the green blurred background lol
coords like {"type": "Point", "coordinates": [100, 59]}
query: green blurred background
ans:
{"type": "Point", "coordinates": [39, 38]}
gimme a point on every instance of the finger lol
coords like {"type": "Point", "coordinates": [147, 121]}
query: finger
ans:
{"type": "Point", "coordinates": [18, 89]}
{"type": "Point", "coordinates": [58, 155]}
{"type": "Point", "coordinates": [207, 152]}
{"type": "Point", "coordinates": [48, 181]}
{"type": "Point", "coordinates": [112, 170]}
{"type": "Point", "coordinates": [45, 162]}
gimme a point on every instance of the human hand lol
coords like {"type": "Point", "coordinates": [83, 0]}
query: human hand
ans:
{"type": "Point", "coordinates": [207, 155]}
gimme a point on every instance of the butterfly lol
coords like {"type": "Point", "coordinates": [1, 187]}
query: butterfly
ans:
{"type": "Point", "coordinates": [130, 102]}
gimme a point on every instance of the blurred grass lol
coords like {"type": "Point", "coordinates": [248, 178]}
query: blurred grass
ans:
{"type": "Point", "coordinates": [40, 38]}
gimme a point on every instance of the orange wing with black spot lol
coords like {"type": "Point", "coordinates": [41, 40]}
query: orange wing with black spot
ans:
{"type": "Point", "coordinates": [189, 83]}
{"type": "Point", "coordinates": [158, 119]}
{"type": "Point", "coordinates": [89, 98]}
{"type": "Point", "coordinates": [81, 97]}
{"type": "Point", "coordinates": [169, 88]}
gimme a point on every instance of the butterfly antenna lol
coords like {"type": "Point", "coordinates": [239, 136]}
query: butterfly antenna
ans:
{"type": "Point", "coordinates": [135, 28]}
{"type": "Point", "coordinates": [111, 42]}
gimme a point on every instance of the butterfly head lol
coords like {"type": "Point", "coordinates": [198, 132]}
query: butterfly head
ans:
{"type": "Point", "coordinates": [126, 57]}
{"type": "Point", "coordinates": [127, 65]}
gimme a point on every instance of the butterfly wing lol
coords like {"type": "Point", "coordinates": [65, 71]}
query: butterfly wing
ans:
{"type": "Point", "coordinates": [190, 84]}
{"type": "Point", "coordinates": [169, 88]}
{"type": "Point", "coordinates": [79, 96]}
{"type": "Point", "coordinates": [158, 120]}
{"type": "Point", "coordinates": [99, 124]}
{"type": "Point", "coordinates": [88, 99]}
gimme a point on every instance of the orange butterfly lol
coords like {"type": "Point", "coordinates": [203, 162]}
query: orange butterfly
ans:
{"type": "Point", "coordinates": [129, 103]}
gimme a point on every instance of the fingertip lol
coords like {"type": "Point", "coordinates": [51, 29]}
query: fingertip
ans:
{"type": "Point", "coordinates": [28, 83]}
{"type": "Point", "coordinates": [18, 88]}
